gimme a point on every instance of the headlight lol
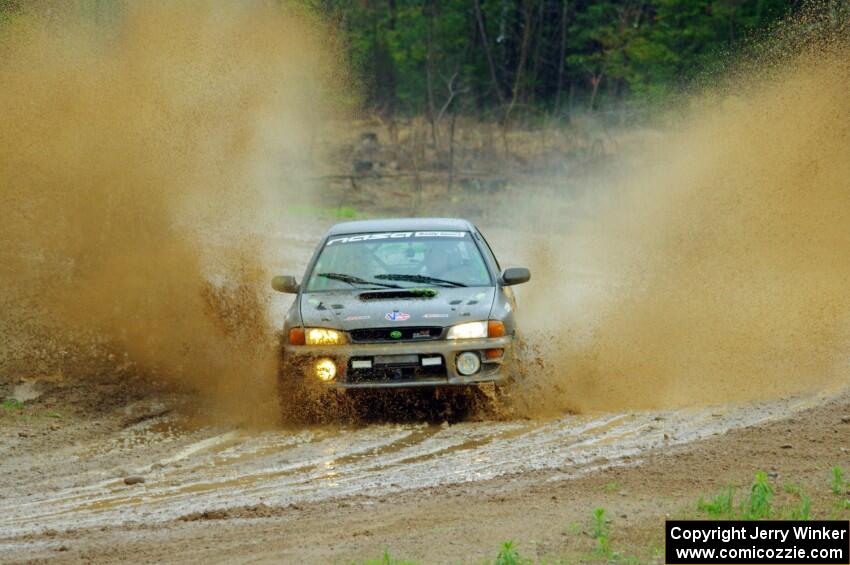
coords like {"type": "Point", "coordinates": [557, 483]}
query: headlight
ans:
{"type": "Point", "coordinates": [323, 336]}
{"type": "Point", "coordinates": [468, 330]}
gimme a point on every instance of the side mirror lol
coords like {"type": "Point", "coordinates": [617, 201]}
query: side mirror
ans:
{"type": "Point", "coordinates": [515, 275]}
{"type": "Point", "coordinates": [285, 284]}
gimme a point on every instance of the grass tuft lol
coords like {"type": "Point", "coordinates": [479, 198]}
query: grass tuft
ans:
{"type": "Point", "coordinates": [804, 510]}
{"type": "Point", "coordinates": [12, 404]}
{"type": "Point", "coordinates": [838, 485]}
{"type": "Point", "coordinates": [600, 531]}
{"type": "Point", "coordinates": [791, 488]}
{"type": "Point", "coordinates": [760, 503]}
{"type": "Point", "coordinates": [720, 505]}
{"type": "Point", "coordinates": [600, 524]}
{"type": "Point", "coordinates": [509, 555]}
{"type": "Point", "coordinates": [761, 495]}
{"type": "Point", "coordinates": [386, 559]}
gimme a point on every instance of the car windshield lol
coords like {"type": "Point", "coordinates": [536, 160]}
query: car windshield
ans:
{"type": "Point", "coordinates": [399, 260]}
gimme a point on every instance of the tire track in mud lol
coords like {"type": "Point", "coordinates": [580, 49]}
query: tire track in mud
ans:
{"type": "Point", "coordinates": [215, 469]}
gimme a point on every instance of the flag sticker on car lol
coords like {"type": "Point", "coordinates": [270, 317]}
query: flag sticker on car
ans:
{"type": "Point", "coordinates": [397, 316]}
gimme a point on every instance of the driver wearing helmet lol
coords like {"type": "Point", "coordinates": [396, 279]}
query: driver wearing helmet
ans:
{"type": "Point", "coordinates": [443, 260]}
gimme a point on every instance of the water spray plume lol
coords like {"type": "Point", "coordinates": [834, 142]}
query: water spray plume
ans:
{"type": "Point", "coordinates": [144, 161]}
{"type": "Point", "coordinates": [140, 162]}
{"type": "Point", "coordinates": [718, 260]}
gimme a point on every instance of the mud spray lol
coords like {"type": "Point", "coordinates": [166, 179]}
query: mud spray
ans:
{"type": "Point", "coordinates": [716, 265]}
{"type": "Point", "coordinates": [141, 159]}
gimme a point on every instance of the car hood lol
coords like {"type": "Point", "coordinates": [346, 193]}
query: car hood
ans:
{"type": "Point", "coordinates": [347, 310]}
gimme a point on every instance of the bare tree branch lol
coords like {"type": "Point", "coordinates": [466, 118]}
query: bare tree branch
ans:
{"type": "Point", "coordinates": [480, 18]}
{"type": "Point", "coordinates": [453, 93]}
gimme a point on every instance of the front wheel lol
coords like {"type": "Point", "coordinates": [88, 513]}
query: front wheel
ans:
{"type": "Point", "coordinates": [507, 393]}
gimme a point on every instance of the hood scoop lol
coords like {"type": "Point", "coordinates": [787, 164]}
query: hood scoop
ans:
{"type": "Point", "coordinates": [407, 293]}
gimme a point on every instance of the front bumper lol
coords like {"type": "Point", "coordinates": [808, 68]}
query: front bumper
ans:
{"type": "Point", "coordinates": [298, 361]}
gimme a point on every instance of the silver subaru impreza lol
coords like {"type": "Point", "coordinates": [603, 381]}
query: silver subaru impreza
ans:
{"type": "Point", "coordinates": [400, 303]}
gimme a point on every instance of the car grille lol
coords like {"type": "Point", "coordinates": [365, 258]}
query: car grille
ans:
{"type": "Point", "coordinates": [394, 373]}
{"type": "Point", "coordinates": [372, 335]}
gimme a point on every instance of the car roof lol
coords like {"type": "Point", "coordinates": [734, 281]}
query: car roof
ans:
{"type": "Point", "coordinates": [401, 224]}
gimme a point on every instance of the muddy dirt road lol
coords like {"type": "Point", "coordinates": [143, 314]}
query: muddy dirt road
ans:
{"type": "Point", "coordinates": [137, 482]}
{"type": "Point", "coordinates": [105, 470]}
{"type": "Point", "coordinates": [212, 470]}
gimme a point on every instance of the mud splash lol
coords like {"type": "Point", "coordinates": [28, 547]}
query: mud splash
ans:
{"type": "Point", "coordinates": [142, 154]}
{"type": "Point", "coordinates": [717, 259]}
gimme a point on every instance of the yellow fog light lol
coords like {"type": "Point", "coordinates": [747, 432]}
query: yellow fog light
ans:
{"type": "Point", "coordinates": [323, 336]}
{"type": "Point", "coordinates": [325, 369]}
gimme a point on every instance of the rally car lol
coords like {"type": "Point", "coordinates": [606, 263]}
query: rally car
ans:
{"type": "Point", "coordinates": [400, 303]}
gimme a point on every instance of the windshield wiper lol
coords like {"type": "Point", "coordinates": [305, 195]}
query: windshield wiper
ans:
{"type": "Point", "coordinates": [354, 281]}
{"type": "Point", "coordinates": [419, 279]}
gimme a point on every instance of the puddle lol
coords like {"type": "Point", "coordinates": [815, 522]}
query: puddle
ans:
{"type": "Point", "coordinates": [189, 470]}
